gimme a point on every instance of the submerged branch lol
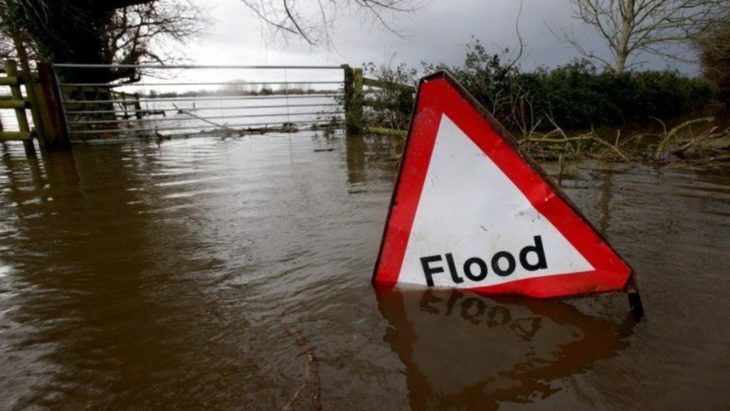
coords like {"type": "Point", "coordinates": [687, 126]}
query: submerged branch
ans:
{"type": "Point", "coordinates": [681, 142]}
{"type": "Point", "coordinates": [313, 379]}
{"type": "Point", "coordinates": [668, 137]}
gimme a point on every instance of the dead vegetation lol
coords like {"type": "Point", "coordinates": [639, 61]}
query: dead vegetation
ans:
{"type": "Point", "coordinates": [696, 142]}
{"type": "Point", "coordinates": [311, 373]}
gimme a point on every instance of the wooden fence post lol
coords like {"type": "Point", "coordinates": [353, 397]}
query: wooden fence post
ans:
{"type": "Point", "coordinates": [124, 105]}
{"type": "Point", "coordinates": [49, 116]}
{"type": "Point", "coordinates": [354, 98]}
{"type": "Point", "coordinates": [137, 107]}
{"type": "Point", "coordinates": [11, 68]}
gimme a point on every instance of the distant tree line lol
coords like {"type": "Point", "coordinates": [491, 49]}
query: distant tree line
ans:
{"type": "Point", "coordinates": [235, 89]}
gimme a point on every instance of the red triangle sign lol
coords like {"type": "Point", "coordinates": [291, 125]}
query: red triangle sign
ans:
{"type": "Point", "coordinates": [471, 210]}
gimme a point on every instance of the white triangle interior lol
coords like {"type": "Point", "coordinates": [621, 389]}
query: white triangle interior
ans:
{"type": "Point", "coordinates": [470, 208]}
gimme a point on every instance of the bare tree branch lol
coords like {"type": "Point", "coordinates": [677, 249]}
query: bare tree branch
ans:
{"type": "Point", "coordinates": [312, 20]}
{"type": "Point", "coordinates": [651, 26]}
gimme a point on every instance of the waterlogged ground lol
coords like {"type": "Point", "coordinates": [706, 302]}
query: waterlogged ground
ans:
{"type": "Point", "coordinates": [235, 274]}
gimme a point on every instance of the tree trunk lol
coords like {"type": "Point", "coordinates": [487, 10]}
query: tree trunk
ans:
{"type": "Point", "coordinates": [628, 17]}
{"type": "Point", "coordinates": [620, 63]}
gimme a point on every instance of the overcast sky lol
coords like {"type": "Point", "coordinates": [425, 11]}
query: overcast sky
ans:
{"type": "Point", "coordinates": [436, 32]}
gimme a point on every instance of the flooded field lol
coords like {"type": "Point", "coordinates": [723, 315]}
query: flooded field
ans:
{"type": "Point", "coordinates": [235, 274]}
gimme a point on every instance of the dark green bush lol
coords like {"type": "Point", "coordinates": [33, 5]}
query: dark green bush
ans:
{"type": "Point", "coordinates": [577, 95]}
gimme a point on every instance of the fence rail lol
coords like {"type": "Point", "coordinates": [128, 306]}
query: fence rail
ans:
{"type": "Point", "coordinates": [158, 100]}
{"type": "Point", "coordinates": [197, 83]}
{"type": "Point", "coordinates": [194, 66]}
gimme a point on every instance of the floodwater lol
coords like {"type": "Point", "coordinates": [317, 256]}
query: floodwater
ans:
{"type": "Point", "coordinates": [235, 274]}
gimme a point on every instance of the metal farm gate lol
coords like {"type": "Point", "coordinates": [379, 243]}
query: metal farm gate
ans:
{"type": "Point", "coordinates": [173, 100]}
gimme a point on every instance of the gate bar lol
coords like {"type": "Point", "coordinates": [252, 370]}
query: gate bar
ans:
{"type": "Point", "coordinates": [213, 98]}
{"type": "Point", "coordinates": [202, 67]}
{"type": "Point", "coordinates": [216, 83]}
{"type": "Point", "coordinates": [249, 125]}
{"type": "Point", "coordinates": [206, 108]}
{"type": "Point", "coordinates": [208, 118]}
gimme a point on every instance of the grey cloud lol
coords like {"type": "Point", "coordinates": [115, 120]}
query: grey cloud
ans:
{"type": "Point", "coordinates": [437, 32]}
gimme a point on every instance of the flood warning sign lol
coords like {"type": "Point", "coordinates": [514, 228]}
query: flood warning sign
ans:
{"type": "Point", "coordinates": [470, 210]}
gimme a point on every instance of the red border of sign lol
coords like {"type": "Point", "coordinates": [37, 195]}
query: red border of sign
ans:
{"type": "Point", "coordinates": [440, 94]}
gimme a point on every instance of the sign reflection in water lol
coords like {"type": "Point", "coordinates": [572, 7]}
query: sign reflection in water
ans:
{"type": "Point", "coordinates": [465, 351]}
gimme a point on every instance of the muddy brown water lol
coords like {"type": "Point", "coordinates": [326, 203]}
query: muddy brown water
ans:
{"type": "Point", "coordinates": [235, 274]}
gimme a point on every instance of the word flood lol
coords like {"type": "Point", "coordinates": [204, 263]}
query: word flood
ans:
{"type": "Point", "coordinates": [503, 263]}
